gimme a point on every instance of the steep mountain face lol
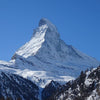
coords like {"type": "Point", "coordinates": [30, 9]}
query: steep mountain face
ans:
{"type": "Point", "coordinates": [49, 56]}
{"type": "Point", "coordinates": [14, 87]}
{"type": "Point", "coordinates": [85, 87]}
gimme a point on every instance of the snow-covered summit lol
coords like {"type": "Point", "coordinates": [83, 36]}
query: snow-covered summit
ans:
{"type": "Point", "coordinates": [47, 52]}
{"type": "Point", "coordinates": [46, 57]}
{"type": "Point", "coordinates": [46, 34]}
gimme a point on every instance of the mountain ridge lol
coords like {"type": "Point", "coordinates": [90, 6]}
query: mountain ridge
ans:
{"type": "Point", "coordinates": [46, 47]}
{"type": "Point", "coordinates": [46, 57]}
{"type": "Point", "coordinates": [50, 56]}
{"type": "Point", "coordinates": [47, 61]}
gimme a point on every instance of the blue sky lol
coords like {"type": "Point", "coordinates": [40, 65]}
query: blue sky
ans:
{"type": "Point", "coordinates": [77, 21]}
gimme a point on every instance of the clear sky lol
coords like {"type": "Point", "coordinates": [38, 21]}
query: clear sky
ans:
{"type": "Point", "coordinates": [77, 21]}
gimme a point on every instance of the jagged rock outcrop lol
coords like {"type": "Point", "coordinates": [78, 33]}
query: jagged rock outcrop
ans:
{"type": "Point", "coordinates": [50, 90]}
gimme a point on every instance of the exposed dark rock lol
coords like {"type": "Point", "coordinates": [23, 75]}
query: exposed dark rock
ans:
{"type": "Point", "coordinates": [50, 90]}
{"type": "Point", "coordinates": [14, 87]}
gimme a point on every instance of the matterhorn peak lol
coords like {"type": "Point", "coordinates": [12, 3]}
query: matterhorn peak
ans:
{"type": "Point", "coordinates": [44, 36]}
{"type": "Point", "coordinates": [47, 51]}
{"type": "Point", "coordinates": [47, 32]}
{"type": "Point", "coordinates": [46, 60]}
{"type": "Point", "coordinates": [45, 21]}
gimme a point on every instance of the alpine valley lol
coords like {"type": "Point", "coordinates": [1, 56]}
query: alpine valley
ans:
{"type": "Point", "coordinates": [46, 68]}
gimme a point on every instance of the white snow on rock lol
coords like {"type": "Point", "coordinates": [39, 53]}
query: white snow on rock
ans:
{"type": "Point", "coordinates": [46, 57]}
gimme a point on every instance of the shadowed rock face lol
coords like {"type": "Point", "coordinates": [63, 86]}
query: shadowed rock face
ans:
{"type": "Point", "coordinates": [15, 87]}
{"type": "Point", "coordinates": [43, 21]}
{"type": "Point", "coordinates": [50, 90]}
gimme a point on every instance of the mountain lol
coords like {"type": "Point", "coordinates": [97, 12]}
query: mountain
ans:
{"type": "Point", "coordinates": [45, 60]}
{"type": "Point", "coordinates": [46, 57]}
{"type": "Point", "coordinates": [49, 57]}
{"type": "Point", "coordinates": [85, 87]}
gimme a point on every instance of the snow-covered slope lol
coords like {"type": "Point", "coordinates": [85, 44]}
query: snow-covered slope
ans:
{"type": "Point", "coordinates": [46, 57]}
